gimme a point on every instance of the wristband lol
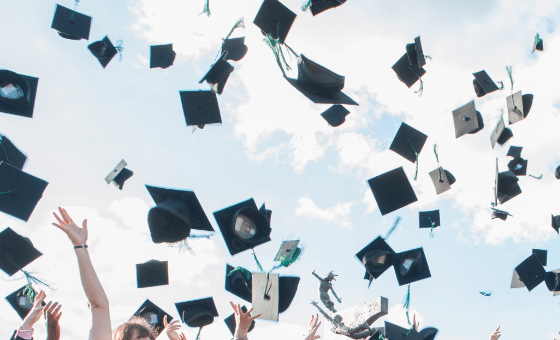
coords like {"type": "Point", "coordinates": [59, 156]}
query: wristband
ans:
{"type": "Point", "coordinates": [82, 246]}
{"type": "Point", "coordinates": [25, 333]}
{"type": "Point", "coordinates": [240, 338]}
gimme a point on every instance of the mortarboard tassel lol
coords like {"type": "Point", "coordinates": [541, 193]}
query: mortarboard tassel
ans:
{"type": "Point", "coordinates": [198, 335]}
{"type": "Point", "coordinates": [501, 85]}
{"type": "Point", "coordinates": [421, 89]}
{"type": "Point", "coordinates": [5, 192]}
{"type": "Point", "coordinates": [305, 6]}
{"type": "Point", "coordinates": [509, 70]}
{"type": "Point", "coordinates": [183, 245]}
{"type": "Point", "coordinates": [485, 293]}
{"type": "Point", "coordinates": [406, 304]}
{"type": "Point", "coordinates": [76, 2]}
{"type": "Point", "coordinates": [432, 228]}
{"type": "Point", "coordinates": [393, 227]}
{"type": "Point", "coordinates": [28, 291]}
{"type": "Point", "coordinates": [538, 40]}
{"type": "Point", "coordinates": [276, 47]}
{"type": "Point", "coordinates": [242, 270]}
{"type": "Point", "coordinates": [416, 173]}
{"type": "Point", "coordinates": [206, 8]}
{"type": "Point", "coordinates": [258, 263]}
{"type": "Point", "coordinates": [120, 49]}
{"type": "Point", "coordinates": [239, 23]}
{"type": "Point", "coordinates": [437, 160]}
{"type": "Point", "coordinates": [539, 177]}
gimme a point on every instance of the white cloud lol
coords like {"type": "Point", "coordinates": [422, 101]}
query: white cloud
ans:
{"type": "Point", "coordinates": [306, 206]}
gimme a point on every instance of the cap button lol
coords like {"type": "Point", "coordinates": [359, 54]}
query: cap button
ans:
{"type": "Point", "coordinates": [466, 119]}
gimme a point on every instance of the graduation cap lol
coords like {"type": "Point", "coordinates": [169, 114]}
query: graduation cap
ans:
{"type": "Point", "coordinates": [200, 108]}
{"type": "Point", "coordinates": [394, 332]}
{"type": "Point", "coordinates": [152, 273]}
{"type": "Point", "coordinates": [411, 266]}
{"type": "Point", "coordinates": [218, 75]}
{"type": "Point", "coordinates": [153, 315]}
{"type": "Point", "coordinates": [502, 215]}
{"type": "Point", "coordinates": [239, 282]}
{"type": "Point", "coordinates": [197, 313]}
{"type": "Point", "coordinates": [428, 333]}
{"type": "Point", "coordinates": [319, 84]}
{"type": "Point", "coordinates": [392, 190]}
{"type": "Point", "coordinates": [501, 134]}
{"type": "Point", "coordinates": [162, 56]}
{"type": "Point", "coordinates": [429, 219]}
{"type": "Point", "coordinates": [553, 281]}
{"type": "Point", "coordinates": [467, 120]}
{"type": "Point", "coordinates": [483, 84]}
{"type": "Point", "coordinates": [518, 106]}
{"type": "Point", "coordinates": [556, 223]}
{"type": "Point", "coordinates": [442, 180]}
{"type": "Point", "coordinates": [538, 44]}
{"type": "Point", "coordinates": [243, 226]}
{"type": "Point", "coordinates": [376, 257]}
{"type": "Point", "coordinates": [176, 213]}
{"type": "Point", "coordinates": [518, 166]}
{"type": "Point", "coordinates": [408, 142]}
{"type": "Point", "coordinates": [288, 286]}
{"type": "Point", "coordinates": [20, 302]}
{"type": "Point", "coordinates": [71, 24]}
{"type": "Point", "coordinates": [541, 255]}
{"type": "Point", "coordinates": [557, 173]}
{"type": "Point", "coordinates": [265, 297]}
{"type": "Point", "coordinates": [235, 48]}
{"type": "Point", "coordinates": [407, 73]}
{"type": "Point", "coordinates": [230, 321]}
{"type": "Point", "coordinates": [16, 251]}
{"type": "Point", "coordinates": [514, 151]}
{"type": "Point", "coordinates": [103, 50]}
{"type": "Point", "coordinates": [275, 19]}
{"type": "Point", "coordinates": [17, 93]}
{"type": "Point", "coordinates": [288, 252]}
{"type": "Point", "coordinates": [335, 115]}
{"type": "Point", "coordinates": [10, 154]}
{"type": "Point", "coordinates": [19, 191]}
{"type": "Point", "coordinates": [415, 53]}
{"type": "Point", "coordinates": [119, 175]}
{"type": "Point", "coordinates": [507, 187]}
{"type": "Point", "coordinates": [319, 6]}
{"type": "Point", "coordinates": [531, 272]}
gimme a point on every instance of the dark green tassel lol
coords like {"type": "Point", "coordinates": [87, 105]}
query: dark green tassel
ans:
{"type": "Point", "coordinates": [406, 304]}
{"type": "Point", "coordinates": [536, 176]}
{"type": "Point", "coordinates": [239, 23]}
{"type": "Point", "coordinates": [393, 227]}
{"type": "Point", "coordinates": [305, 6]}
{"type": "Point", "coordinates": [501, 85]}
{"type": "Point", "coordinates": [421, 89]}
{"type": "Point", "coordinates": [198, 335]}
{"type": "Point", "coordinates": [120, 48]}
{"type": "Point", "coordinates": [486, 293]}
{"type": "Point", "coordinates": [510, 74]}
{"type": "Point", "coordinates": [241, 270]}
{"type": "Point", "coordinates": [432, 228]}
{"type": "Point", "coordinates": [76, 2]}
{"type": "Point", "coordinates": [258, 263]}
{"type": "Point", "coordinates": [416, 173]}
{"type": "Point", "coordinates": [206, 8]}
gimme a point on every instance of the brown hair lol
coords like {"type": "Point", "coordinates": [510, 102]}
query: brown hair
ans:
{"type": "Point", "coordinates": [124, 332]}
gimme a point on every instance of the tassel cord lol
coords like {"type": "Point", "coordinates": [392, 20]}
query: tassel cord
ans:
{"type": "Point", "coordinates": [416, 173]}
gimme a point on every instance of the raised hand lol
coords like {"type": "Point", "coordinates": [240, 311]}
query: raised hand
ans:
{"type": "Point", "coordinates": [313, 327]}
{"type": "Point", "coordinates": [242, 320]}
{"type": "Point", "coordinates": [35, 313]}
{"type": "Point", "coordinates": [52, 315]}
{"type": "Point", "coordinates": [78, 236]}
{"type": "Point", "coordinates": [496, 334]}
{"type": "Point", "coordinates": [171, 329]}
{"type": "Point", "coordinates": [415, 324]}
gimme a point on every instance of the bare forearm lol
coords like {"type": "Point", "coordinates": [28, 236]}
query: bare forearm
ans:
{"type": "Point", "coordinates": [90, 282]}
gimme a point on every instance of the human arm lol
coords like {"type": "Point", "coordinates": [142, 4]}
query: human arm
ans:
{"type": "Point", "coordinates": [52, 315]}
{"type": "Point", "coordinates": [101, 323]}
{"type": "Point", "coordinates": [26, 329]}
{"type": "Point", "coordinates": [242, 321]}
{"type": "Point", "coordinates": [317, 276]}
{"type": "Point", "coordinates": [496, 334]}
{"type": "Point", "coordinates": [313, 327]}
{"type": "Point", "coordinates": [333, 293]}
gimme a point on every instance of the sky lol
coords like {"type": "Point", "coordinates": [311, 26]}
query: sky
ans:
{"type": "Point", "coordinates": [274, 146]}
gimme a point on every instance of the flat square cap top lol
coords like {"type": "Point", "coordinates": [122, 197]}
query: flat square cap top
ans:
{"type": "Point", "coordinates": [376, 257]}
{"type": "Point", "coordinates": [16, 251]}
{"type": "Point", "coordinates": [103, 50]}
{"type": "Point", "coordinates": [483, 83]}
{"type": "Point", "coordinates": [394, 332]}
{"type": "Point", "coordinates": [518, 106]}
{"type": "Point", "coordinates": [411, 266]}
{"type": "Point", "coordinates": [197, 313]}
{"type": "Point", "coordinates": [500, 134]}
{"type": "Point", "coordinates": [467, 120]}
{"type": "Point", "coordinates": [200, 108]}
{"type": "Point", "coordinates": [407, 73]}
{"type": "Point", "coordinates": [152, 273]}
{"type": "Point", "coordinates": [235, 47]}
{"type": "Point", "coordinates": [10, 154]}
{"type": "Point", "coordinates": [408, 141]}
{"type": "Point", "coordinates": [153, 315]}
{"type": "Point", "coordinates": [531, 272]}
{"type": "Point", "coordinates": [335, 115]}
{"type": "Point", "coordinates": [70, 24]}
{"type": "Point", "coordinates": [426, 218]}
{"type": "Point", "coordinates": [415, 53]}
{"type": "Point", "coordinates": [319, 6]}
{"type": "Point", "coordinates": [20, 303]}
{"type": "Point", "coordinates": [162, 56]}
{"type": "Point", "coordinates": [287, 250]}
{"type": "Point", "coordinates": [275, 19]}
{"type": "Point", "coordinates": [541, 255]}
{"type": "Point", "coordinates": [17, 93]}
{"type": "Point", "coordinates": [514, 151]}
{"type": "Point", "coordinates": [266, 301]}
{"type": "Point", "coordinates": [392, 190]}
{"type": "Point", "coordinates": [19, 191]}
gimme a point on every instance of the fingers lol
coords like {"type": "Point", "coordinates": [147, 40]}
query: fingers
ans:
{"type": "Point", "coordinates": [65, 215]}
{"type": "Point", "coordinates": [255, 317]}
{"type": "Point", "coordinates": [249, 312]}
{"type": "Point", "coordinates": [164, 321]}
{"type": "Point", "coordinates": [39, 299]}
{"type": "Point", "coordinates": [182, 337]}
{"type": "Point", "coordinates": [47, 307]}
{"type": "Point", "coordinates": [498, 329]}
{"type": "Point", "coordinates": [235, 308]}
{"type": "Point", "coordinates": [84, 224]}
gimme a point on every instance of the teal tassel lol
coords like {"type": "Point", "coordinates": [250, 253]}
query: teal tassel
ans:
{"type": "Point", "coordinates": [239, 23]}
{"type": "Point", "coordinates": [421, 89]}
{"type": "Point", "coordinates": [406, 304]}
{"type": "Point", "coordinates": [437, 160]}
{"type": "Point", "coordinates": [393, 227]}
{"type": "Point", "coordinates": [198, 335]}
{"type": "Point", "coordinates": [292, 257]}
{"type": "Point", "coordinates": [536, 176]}
{"type": "Point", "coordinates": [120, 48]}
{"type": "Point", "coordinates": [432, 228]}
{"type": "Point", "coordinates": [501, 85]}
{"type": "Point", "coordinates": [241, 270]}
{"type": "Point", "coordinates": [258, 263]}
{"type": "Point", "coordinates": [486, 293]}
{"type": "Point", "coordinates": [305, 6]}
{"type": "Point", "coordinates": [510, 74]}
{"type": "Point", "coordinates": [5, 192]}
{"type": "Point", "coordinates": [206, 8]}
{"type": "Point", "coordinates": [76, 2]}
{"type": "Point", "coordinates": [276, 47]}
{"type": "Point", "coordinates": [416, 173]}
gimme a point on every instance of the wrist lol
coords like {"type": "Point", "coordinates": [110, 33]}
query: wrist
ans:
{"type": "Point", "coordinates": [25, 333]}
{"type": "Point", "coordinates": [80, 246]}
{"type": "Point", "coordinates": [240, 334]}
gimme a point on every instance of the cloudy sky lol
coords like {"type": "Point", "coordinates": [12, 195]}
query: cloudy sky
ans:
{"type": "Point", "coordinates": [274, 146]}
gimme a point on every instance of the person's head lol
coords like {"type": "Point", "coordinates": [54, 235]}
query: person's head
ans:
{"type": "Point", "coordinates": [135, 329]}
{"type": "Point", "coordinates": [331, 276]}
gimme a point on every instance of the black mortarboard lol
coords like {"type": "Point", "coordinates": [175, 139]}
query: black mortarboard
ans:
{"type": "Point", "coordinates": [119, 175]}
{"type": "Point", "coordinates": [16, 251]}
{"type": "Point", "coordinates": [200, 108]}
{"type": "Point", "coordinates": [518, 166]}
{"type": "Point", "coordinates": [162, 56]}
{"type": "Point", "coordinates": [531, 272]}
{"type": "Point", "coordinates": [319, 84]}
{"type": "Point", "coordinates": [553, 281]}
{"type": "Point", "coordinates": [392, 190]}
{"type": "Point", "coordinates": [426, 218]}
{"type": "Point", "coordinates": [265, 297]}
{"type": "Point", "coordinates": [19, 191]}
{"type": "Point", "coordinates": [153, 315]}
{"type": "Point", "coordinates": [17, 93]}
{"type": "Point", "coordinates": [518, 106]}
{"type": "Point", "coordinates": [20, 303]}
{"type": "Point", "coordinates": [235, 48]}
{"type": "Point", "coordinates": [10, 154]}
{"type": "Point", "coordinates": [71, 24]}
{"type": "Point", "coordinates": [377, 257]}
{"type": "Point", "coordinates": [218, 75]}
{"type": "Point", "coordinates": [538, 44]}
{"type": "Point", "coordinates": [514, 151]}
{"type": "Point", "coordinates": [288, 250]}
{"type": "Point", "coordinates": [502, 215]}
{"type": "Point", "coordinates": [407, 73]}
{"type": "Point", "coordinates": [335, 115]}
{"type": "Point", "coordinates": [197, 313]}
{"type": "Point", "coordinates": [408, 142]}
{"type": "Point", "coordinates": [557, 172]}
{"type": "Point", "coordinates": [467, 120]}
{"type": "Point", "coordinates": [239, 282]}
{"type": "Point", "coordinates": [175, 214]}
{"type": "Point", "coordinates": [103, 50]}
{"type": "Point", "coordinates": [556, 223]}
{"type": "Point", "coordinates": [288, 286]}
{"type": "Point", "coordinates": [442, 180]}
{"type": "Point", "coordinates": [508, 187]}
{"type": "Point", "coordinates": [501, 133]}
{"type": "Point", "coordinates": [152, 273]}
{"type": "Point", "coordinates": [428, 333]}
{"type": "Point", "coordinates": [394, 332]}
{"type": "Point", "coordinates": [483, 84]}
{"type": "Point", "coordinates": [275, 19]}
{"type": "Point", "coordinates": [243, 226]}
{"type": "Point", "coordinates": [541, 255]}
{"type": "Point", "coordinates": [415, 53]}
{"type": "Point", "coordinates": [411, 266]}
{"type": "Point", "coordinates": [319, 6]}
{"type": "Point", "coordinates": [230, 321]}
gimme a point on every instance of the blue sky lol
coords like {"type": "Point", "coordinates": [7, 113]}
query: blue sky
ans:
{"type": "Point", "coordinates": [274, 146]}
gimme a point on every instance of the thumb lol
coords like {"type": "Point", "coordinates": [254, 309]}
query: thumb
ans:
{"type": "Point", "coordinates": [84, 224]}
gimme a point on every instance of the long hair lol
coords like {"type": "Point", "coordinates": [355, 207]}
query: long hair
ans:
{"type": "Point", "coordinates": [124, 332]}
